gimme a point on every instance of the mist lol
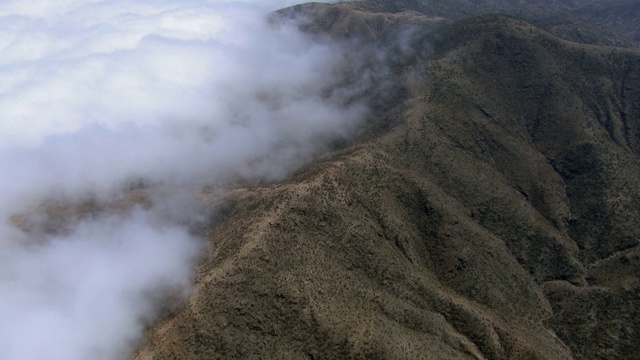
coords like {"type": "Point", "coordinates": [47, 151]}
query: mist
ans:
{"type": "Point", "coordinates": [102, 97]}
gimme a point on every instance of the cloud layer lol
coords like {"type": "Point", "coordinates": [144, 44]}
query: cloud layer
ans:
{"type": "Point", "coordinates": [99, 95]}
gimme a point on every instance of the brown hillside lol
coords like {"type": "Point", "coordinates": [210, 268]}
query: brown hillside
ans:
{"type": "Point", "coordinates": [602, 22]}
{"type": "Point", "coordinates": [490, 212]}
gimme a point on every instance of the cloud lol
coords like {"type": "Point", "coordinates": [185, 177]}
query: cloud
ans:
{"type": "Point", "coordinates": [83, 295]}
{"type": "Point", "coordinates": [99, 95]}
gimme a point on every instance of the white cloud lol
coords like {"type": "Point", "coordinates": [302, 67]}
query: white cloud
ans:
{"type": "Point", "coordinates": [96, 94]}
{"type": "Point", "coordinates": [84, 295]}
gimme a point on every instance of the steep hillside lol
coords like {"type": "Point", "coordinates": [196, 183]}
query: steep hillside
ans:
{"type": "Point", "coordinates": [490, 211]}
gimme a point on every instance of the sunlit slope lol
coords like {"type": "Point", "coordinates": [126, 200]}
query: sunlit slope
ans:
{"type": "Point", "coordinates": [490, 212]}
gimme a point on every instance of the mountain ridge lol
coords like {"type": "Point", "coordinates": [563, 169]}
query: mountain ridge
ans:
{"type": "Point", "coordinates": [593, 22]}
{"type": "Point", "coordinates": [489, 211]}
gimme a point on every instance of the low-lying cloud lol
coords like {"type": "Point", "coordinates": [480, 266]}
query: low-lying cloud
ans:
{"type": "Point", "coordinates": [97, 96]}
{"type": "Point", "coordinates": [87, 294]}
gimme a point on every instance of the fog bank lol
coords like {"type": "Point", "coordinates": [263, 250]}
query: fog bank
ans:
{"type": "Point", "coordinates": [99, 97]}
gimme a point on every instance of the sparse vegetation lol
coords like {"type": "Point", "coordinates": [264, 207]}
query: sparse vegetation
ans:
{"type": "Point", "coordinates": [495, 219]}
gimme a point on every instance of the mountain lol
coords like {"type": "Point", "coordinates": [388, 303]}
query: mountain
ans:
{"type": "Point", "coordinates": [594, 22]}
{"type": "Point", "coordinates": [488, 211]}
{"type": "Point", "coordinates": [620, 16]}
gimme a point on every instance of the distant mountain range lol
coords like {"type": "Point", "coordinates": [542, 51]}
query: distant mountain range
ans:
{"type": "Point", "coordinates": [489, 210]}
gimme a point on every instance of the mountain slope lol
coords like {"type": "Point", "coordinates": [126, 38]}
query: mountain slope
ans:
{"type": "Point", "coordinates": [489, 212]}
{"type": "Point", "coordinates": [601, 22]}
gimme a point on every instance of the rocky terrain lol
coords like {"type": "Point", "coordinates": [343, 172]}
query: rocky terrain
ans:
{"type": "Point", "coordinates": [489, 210]}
